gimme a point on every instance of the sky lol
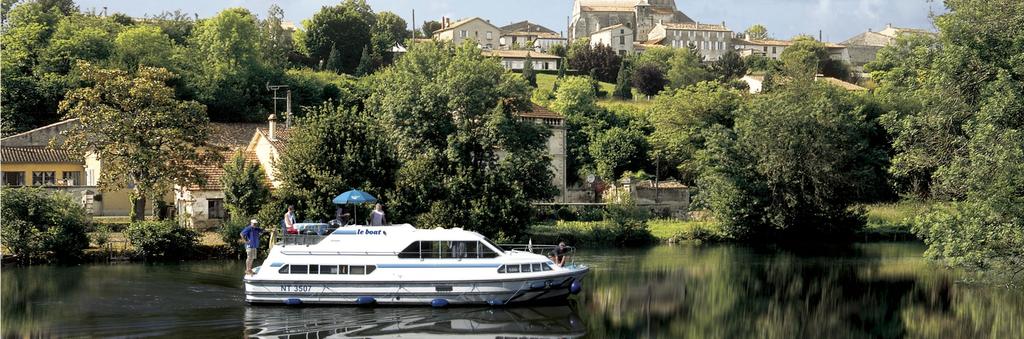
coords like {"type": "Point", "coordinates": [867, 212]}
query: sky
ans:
{"type": "Point", "coordinates": [836, 19]}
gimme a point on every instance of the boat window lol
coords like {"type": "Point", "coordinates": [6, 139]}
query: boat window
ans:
{"type": "Point", "coordinates": [410, 252]}
{"type": "Point", "coordinates": [370, 269]}
{"type": "Point", "coordinates": [314, 269]}
{"type": "Point", "coordinates": [342, 269]}
{"type": "Point", "coordinates": [357, 269]}
{"type": "Point", "coordinates": [484, 248]}
{"type": "Point", "coordinates": [328, 269]}
{"type": "Point", "coordinates": [545, 267]}
{"type": "Point", "coordinates": [501, 269]}
{"type": "Point", "coordinates": [512, 269]}
{"type": "Point", "coordinates": [464, 249]}
{"type": "Point", "coordinates": [283, 270]}
{"type": "Point", "coordinates": [299, 269]}
{"type": "Point", "coordinates": [427, 249]}
{"type": "Point", "coordinates": [485, 252]}
{"type": "Point", "coordinates": [526, 268]}
{"type": "Point", "coordinates": [536, 268]}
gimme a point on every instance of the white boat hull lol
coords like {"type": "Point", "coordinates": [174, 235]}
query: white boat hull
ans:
{"type": "Point", "coordinates": [526, 290]}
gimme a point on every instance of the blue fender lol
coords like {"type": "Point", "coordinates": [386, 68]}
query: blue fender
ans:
{"type": "Point", "coordinates": [439, 303]}
{"type": "Point", "coordinates": [293, 301]}
{"type": "Point", "coordinates": [495, 302]}
{"type": "Point", "coordinates": [576, 287]}
{"type": "Point", "coordinates": [365, 301]}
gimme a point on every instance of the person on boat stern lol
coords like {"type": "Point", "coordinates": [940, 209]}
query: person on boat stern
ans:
{"type": "Point", "coordinates": [559, 253]}
{"type": "Point", "coordinates": [377, 218]}
{"type": "Point", "coordinates": [288, 224]}
{"type": "Point", "coordinates": [251, 236]}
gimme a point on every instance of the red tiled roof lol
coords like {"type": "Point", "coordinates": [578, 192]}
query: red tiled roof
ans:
{"type": "Point", "coordinates": [213, 173]}
{"type": "Point", "coordinates": [38, 155]}
{"type": "Point", "coordinates": [232, 135]}
{"type": "Point", "coordinates": [281, 135]}
{"type": "Point", "coordinates": [539, 111]}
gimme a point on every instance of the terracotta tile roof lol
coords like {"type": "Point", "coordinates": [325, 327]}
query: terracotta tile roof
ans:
{"type": "Point", "coordinates": [213, 174]}
{"type": "Point", "coordinates": [539, 111]}
{"type": "Point", "coordinates": [525, 28]}
{"type": "Point", "coordinates": [842, 84]}
{"type": "Point", "coordinates": [519, 54]}
{"type": "Point", "coordinates": [38, 155]}
{"type": "Point", "coordinates": [232, 135]}
{"type": "Point", "coordinates": [282, 136]}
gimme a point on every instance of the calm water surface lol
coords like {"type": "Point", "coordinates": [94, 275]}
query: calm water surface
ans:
{"type": "Point", "coordinates": [879, 290]}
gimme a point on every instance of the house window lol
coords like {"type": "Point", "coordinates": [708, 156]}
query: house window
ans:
{"type": "Point", "coordinates": [72, 178]}
{"type": "Point", "coordinates": [216, 208]}
{"type": "Point", "coordinates": [622, 31]}
{"type": "Point", "coordinates": [488, 35]}
{"type": "Point", "coordinates": [622, 40]}
{"type": "Point", "coordinates": [14, 178]}
{"type": "Point", "coordinates": [43, 178]}
{"type": "Point", "coordinates": [766, 49]}
{"type": "Point", "coordinates": [463, 33]}
{"type": "Point", "coordinates": [773, 50]}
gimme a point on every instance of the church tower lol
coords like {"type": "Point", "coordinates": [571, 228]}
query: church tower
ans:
{"type": "Point", "coordinates": [644, 20]}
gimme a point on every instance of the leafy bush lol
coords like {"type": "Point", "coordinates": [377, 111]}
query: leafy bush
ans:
{"type": "Point", "coordinates": [161, 240]}
{"type": "Point", "coordinates": [42, 225]}
{"type": "Point", "coordinates": [229, 233]}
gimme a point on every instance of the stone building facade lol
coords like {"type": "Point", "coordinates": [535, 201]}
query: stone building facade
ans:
{"type": "Point", "coordinates": [712, 41]}
{"type": "Point", "coordinates": [590, 16]}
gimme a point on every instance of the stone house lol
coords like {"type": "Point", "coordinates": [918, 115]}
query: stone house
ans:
{"type": "Point", "coordinates": [711, 40]}
{"type": "Point", "coordinates": [773, 48]}
{"type": "Point", "coordinates": [590, 16]}
{"type": "Point", "coordinates": [618, 37]}
{"type": "Point", "coordinates": [865, 46]}
{"type": "Point", "coordinates": [516, 60]}
{"type": "Point", "coordinates": [528, 35]}
{"type": "Point", "coordinates": [475, 29]}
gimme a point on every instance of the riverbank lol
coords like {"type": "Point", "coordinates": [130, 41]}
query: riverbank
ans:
{"type": "Point", "coordinates": [885, 222]}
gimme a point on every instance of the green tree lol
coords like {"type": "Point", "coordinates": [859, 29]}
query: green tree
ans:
{"type": "Point", "coordinates": [649, 79]}
{"type": "Point", "coordinates": [42, 225]}
{"type": "Point", "coordinates": [600, 60]}
{"type": "Point", "coordinates": [332, 150]}
{"type": "Point", "coordinates": [757, 32]}
{"type": "Point", "coordinates": [178, 25]}
{"type": "Point", "coordinates": [389, 30]}
{"type": "Point", "coordinates": [686, 68]}
{"type": "Point", "coordinates": [246, 189]}
{"type": "Point", "coordinates": [346, 26]}
{"type": "Point", "coordinates": [617, 150]}
{"type": "Point", "coordinates": [228, 69]}
{"type": "Point", "coordinates": [528, 73]}
{"type": "Point", "coordinates": [148, 140]}
{"type": "Point", "coordinates": [971, 92]}
{"type": "Point", "coordinates": [429, 27]}
{"type": "Point", "coordinates": [143, 45]}
{"type": "Point", "coordinates": [334, 60]}
{"type": "Point", "coordinates": [623, 90]}
{"type": "Point", "coordinates": [792, 166]}
{"type": "Point", "coordinates": [365, 63]}
{"type": "Point", "coordinates": [584, 121]}
{"type": "Point", "coordinates": [729, 67]}
{"type": "Point", "coordinates": [681, 120]}
{"type": "Point", "coordinates": [276, 41]}
{"type": "Point", "coordinates": [449, 115]}
{"type": "Point", "coordinates": [658, 56]}
{"type": "Point", "coordinates": [809, 57]}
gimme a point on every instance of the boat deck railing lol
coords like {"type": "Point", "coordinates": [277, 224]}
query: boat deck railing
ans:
{"type": "Point", "coordinates": [299, 239]}
{"type": "Point", "coordinates": [544, 250]}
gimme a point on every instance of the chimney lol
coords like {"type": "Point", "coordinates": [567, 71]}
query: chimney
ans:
{"type": "Point", "coordinates": [273, 126]}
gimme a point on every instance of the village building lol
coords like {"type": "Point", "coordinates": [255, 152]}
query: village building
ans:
{"type": "Point", "coordinates": [516, 59]}
{"type": "Point", "coordinates": [590, 16]}
{"type": "Point", "coordinates": [865, 46]}
{"type": "Point", "coordinates": [712, 41]}
{"type": "Point", "coordinates": [27, 159]}
{"type": "Point", "coordinates": [773, 48]}
{"type": "Point", "coordinates": [475, 29]}
{"type": "Point", "coordinates": [528, 35]}
{"type": "Point", "coordinates": [618, 37]}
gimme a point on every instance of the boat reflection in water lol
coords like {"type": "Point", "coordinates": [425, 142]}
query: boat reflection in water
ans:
{"type": "Point", "coordinates": [344, 322]}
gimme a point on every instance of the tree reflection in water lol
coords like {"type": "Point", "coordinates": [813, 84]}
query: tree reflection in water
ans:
{"type": "Point", "coordinates": [729, 291]}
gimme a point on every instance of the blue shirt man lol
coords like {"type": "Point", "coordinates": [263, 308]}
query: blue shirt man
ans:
{"type": "Point", "coordinates": [251, 236]}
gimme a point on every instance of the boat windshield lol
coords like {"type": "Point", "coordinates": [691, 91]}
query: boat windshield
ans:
{"type": "Point", "coordinates": [493, 245]}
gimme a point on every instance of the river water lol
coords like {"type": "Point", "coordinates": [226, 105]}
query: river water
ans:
{"type": "Point", "coordinates": [874, 290]}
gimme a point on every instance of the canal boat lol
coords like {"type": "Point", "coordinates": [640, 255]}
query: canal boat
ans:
{"type": "Point", "coordinates": [403, 265]}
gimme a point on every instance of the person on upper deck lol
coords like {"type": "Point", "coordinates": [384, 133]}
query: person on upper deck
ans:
{"type": "Point", "coordinates": [559, 253]}
{"type": "Point", "coordinates": [288, 224]}
{"type": "Point", "coordinates": [377, 218]}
